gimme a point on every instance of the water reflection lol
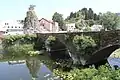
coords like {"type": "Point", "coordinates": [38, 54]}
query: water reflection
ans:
{"type": "Point", "coordinates": [33, 65]}
{"type": "Point", "coordinates": [25, 69]}
{"type": "Point", "coordinates": [114, 62]}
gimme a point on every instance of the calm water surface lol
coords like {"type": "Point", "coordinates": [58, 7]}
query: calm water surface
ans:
{"type": "Point", "coordinates": [27, 69]}
{"type": "Point", "coordinates": [114, 61]}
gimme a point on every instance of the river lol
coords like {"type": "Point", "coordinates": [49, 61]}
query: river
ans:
{"type": "Point", "coordinates": [30, 68]}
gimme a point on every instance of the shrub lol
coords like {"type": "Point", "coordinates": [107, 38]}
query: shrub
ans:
{"type": "Point", "coordinates": [38, 44]}
{"type": "Point", "coordinates": [17, 39]}
{"type": "Point", "coordinates": [83, 43]}
{"type": "Point", "coordinates": [104, 72]}
{"type": "Point", "coordinates": [19, 50]}
{"type": "Point", "coordinates": [50, 41]}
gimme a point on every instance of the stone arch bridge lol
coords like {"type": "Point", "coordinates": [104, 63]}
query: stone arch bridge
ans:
{"type": "Point", "coordinates": [107, 42]}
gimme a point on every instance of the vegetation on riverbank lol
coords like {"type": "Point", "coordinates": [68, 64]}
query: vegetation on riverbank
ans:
{"type": "Point", "coordinates": [19, 45]}
{"type": "Point", "coordinates": [18, 39]}
{"type": "Point", "coordinates": [103, 72]}
{"type": "Point", "coordinates": [17, 48]}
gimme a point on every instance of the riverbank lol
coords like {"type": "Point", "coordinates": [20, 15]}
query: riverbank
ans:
{"type": "Point", "coordinates": [104, 72]}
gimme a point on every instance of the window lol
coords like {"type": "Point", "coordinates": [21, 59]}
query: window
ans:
{"type": "Point", "coordinates": [12, 27]}
{"type": "Point", "coordinates": [8, 26]}
{"type": "Point", "coordinates": [15, 26]}
{"type": "Point", "coordinates": [6, 23]}
{"type": "Point", "coordinates": [19, 26]}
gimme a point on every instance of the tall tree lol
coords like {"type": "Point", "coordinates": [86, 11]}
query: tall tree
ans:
{"type": "Point", "coordinates": [31, 21]}
{"type": "Point", "coordinates": [90, 14]}
{"type": "Point", "coordinates": [75, 15]}
{"type": "Point", "coordinates": [71, 15]}
{"type": "Point", "coordinates": [58, 18]}
{"type": "Point", "coordinates": [85, 13]}
{"type": "Point", "coordinates": [110, 21]}
{"type": "Point", "coordinates": [95, 16]}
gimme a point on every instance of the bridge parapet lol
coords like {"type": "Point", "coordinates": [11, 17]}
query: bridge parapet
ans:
{"type": "Point", "coordinates": [102, 38]}
{"type": "Point", "coordinates": [109, 37]}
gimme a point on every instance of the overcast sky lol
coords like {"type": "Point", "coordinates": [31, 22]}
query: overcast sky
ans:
{"type": "Point", "coordinates": [16, 9]}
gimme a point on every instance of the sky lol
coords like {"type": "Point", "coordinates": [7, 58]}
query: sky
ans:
{"type": "Point", "coordinates": [16, 9]}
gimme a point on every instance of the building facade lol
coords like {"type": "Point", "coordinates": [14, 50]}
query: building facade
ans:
{"type": "Point", "coordinates": [70, 27]}
{"type": "Point", "coordinates": [43, 26]}
{"type": "Point", "coordinates": [11, 27]}
{"type": "Point", "coordinates": [96, 28]}
{"type": "Point", "coordinates": [48, 26]}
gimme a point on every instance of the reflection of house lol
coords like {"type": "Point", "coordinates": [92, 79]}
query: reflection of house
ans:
{"type": "Point", "coordinates": [48, 26]}
{"type": "Point", "coordinates": [11, 27]}
{"type": "Point", "coordinates": [96, 27]}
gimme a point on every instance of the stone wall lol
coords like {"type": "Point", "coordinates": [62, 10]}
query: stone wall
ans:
{"type": "Point", "coordinates": [102, 38]}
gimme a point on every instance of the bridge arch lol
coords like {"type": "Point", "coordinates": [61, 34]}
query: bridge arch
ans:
{"type": "Point", "coordinates": [102, 54]}
{"type": "Point", "coordinates": [58, 50]}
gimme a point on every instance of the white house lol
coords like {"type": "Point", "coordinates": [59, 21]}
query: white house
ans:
{"type": "Point", "coordinates": [70, 27]}
{"type": "Point", "coordinates": [11, 27]}
{"type": "Point", "coordinates": [96, 27]}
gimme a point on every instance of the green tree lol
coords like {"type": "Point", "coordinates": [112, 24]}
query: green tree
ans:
{"type": "Point", "coordinates": [31, 21]}
{"type": "Point", "coordinates": [85, 13]}
{"type": "Point", "coordinates": [58, 18]}
{"type": "Point", "coordinates": [71, 15]}
{"type": "Point", "coordinates": [110, 21]}
{"type": "Point", "coordinates": [90, 14]}
{"type": "Point", "coordinates": [95, 16]}
{"type": "Point", "coordinates": [83, 42]}
{"type": "Point", "coordinates": [80, 24]}
{"type": "Point", "coordinates": [90, 22]}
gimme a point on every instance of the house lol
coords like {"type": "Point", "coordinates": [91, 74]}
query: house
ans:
{"type": "Point", "coordinates": [48, 26]}
{"type": "Point", "coordinates": [96, 28]}
{"type": "Point", "coordinates": [70, 27]}
{"type": "Point", "coordinates": [11, 27]}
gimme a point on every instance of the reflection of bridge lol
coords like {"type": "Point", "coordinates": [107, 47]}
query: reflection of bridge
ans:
{"type": "Point", "coordinates": [107, 42]}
